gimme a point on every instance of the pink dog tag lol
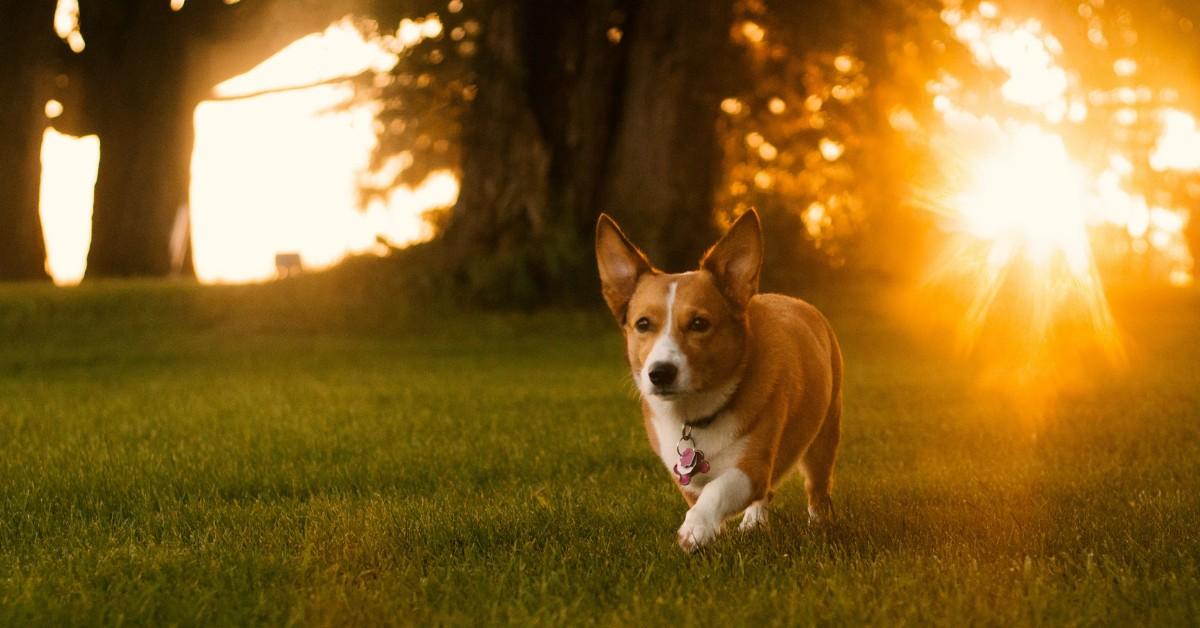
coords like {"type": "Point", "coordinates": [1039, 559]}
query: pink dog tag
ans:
{"type": "Point", "coordinates": [691, 462]}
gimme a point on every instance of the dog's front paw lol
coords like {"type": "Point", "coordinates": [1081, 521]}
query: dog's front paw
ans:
{"type": "Point", "coordinates": [697, 532]}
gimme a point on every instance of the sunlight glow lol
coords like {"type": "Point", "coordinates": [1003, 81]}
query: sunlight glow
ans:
{"type": "Point", "coordinates": [54, 109]}
{"type": "Point", "coordinates": [66, 24]}
{"type": "Point", "coordinates": [1178, 148]}
{"type": "Point", "coordinates": [1028, 195]}
{"type": "Point", "coordinates": [753, 32]}
{"type": "Point", "coordinates": [830, 149]}
{"type": "Point", "coordinates": [278, 173]}
{"type": "Point", "coordinates": [1070, 198]}
{"type": "Point", "coordinates": [274, 172]}
{"type": "Point", "coordinates": [69, 167]}
{"type": "Point", "coordinates": [1022, 201]}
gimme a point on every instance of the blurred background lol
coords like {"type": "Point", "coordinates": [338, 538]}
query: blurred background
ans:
{"type": "Point", "coordinates": [957, 144]}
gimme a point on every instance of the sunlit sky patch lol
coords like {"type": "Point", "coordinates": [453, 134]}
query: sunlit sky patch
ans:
{"type": "Point", "coordinates": [271, 173]}
{"type": "Point", "coordinates": [68, 179]}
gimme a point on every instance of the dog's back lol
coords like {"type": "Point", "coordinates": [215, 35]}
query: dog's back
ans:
{"type": "Point", "coordinates": [795, 361]}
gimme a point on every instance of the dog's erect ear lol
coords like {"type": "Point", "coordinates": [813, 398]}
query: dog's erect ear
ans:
{"type": "Point", "coordinates": [621, 264]}
{"type": "Point", "coordinates": [736, 260]}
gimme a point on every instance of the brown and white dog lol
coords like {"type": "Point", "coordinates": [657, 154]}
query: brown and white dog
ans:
{"type": "Point", "coordinates": [751, 380]}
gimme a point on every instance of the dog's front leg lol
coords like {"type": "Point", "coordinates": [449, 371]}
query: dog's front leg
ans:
{"type": "Point", "coordinates": [726, 495]}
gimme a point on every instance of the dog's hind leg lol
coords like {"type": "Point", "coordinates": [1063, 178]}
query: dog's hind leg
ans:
{"type": "Point", "coordinates": [817, 464]}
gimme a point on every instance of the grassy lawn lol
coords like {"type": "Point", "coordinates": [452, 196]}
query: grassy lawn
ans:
{"type": "Point", "coordinates": [178, 455]}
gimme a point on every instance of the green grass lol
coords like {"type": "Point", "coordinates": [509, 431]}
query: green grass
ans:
{"type": "Point", "coordinates": [311, 454]}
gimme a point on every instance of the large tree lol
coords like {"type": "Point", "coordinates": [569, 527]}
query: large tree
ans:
{"type": "Point", "coordinates": [27, 47]}
{"type": "Point", "coordinates": [574, 108]}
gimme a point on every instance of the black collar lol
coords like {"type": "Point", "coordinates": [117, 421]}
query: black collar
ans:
{"type": "Point", "coordinates": [705, 421]}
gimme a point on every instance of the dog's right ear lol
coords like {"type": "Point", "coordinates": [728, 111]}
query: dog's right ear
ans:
{"type": "Point", "coordinates": [620, 263]}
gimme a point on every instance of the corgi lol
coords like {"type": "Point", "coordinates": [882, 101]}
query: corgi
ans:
{"type": "Point", "coordinates": [738, 389]}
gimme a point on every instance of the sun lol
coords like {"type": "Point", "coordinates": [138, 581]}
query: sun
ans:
{"type": "Point", "coordinates": [1028, 197]}
{"type": "Point", "coordinates": [1019, 221]}
{"type": "Point", "coordinates": [1021, 208]}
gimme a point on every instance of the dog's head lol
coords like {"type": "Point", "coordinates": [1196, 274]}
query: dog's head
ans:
{"type": "Point", "coordinates": [684, 333]}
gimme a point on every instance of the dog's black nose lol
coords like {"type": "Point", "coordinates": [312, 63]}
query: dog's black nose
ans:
{"type": "Point", "coordinates": [663, 373]}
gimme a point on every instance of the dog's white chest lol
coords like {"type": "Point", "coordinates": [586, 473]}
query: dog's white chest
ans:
{"type": "Point", "coordinates": [719, 441]}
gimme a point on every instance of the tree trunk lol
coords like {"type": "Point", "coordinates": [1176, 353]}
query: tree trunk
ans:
{"type": "Point", "coordinates": [139, 106]}
{"type": "Point", "coordinates": [573, 117]}
{"type": "Point", "coordinates": [535, 148]}
{"type": "Point", "coordinates": [501, 211]}
{"type": "Point", "coordinates": [665, 165]}
{"type": "Point", "coordinates": [27, 43]}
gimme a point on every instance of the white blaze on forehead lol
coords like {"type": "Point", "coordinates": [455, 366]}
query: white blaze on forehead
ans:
{"type": "Point", "coordinates": [666, 349]}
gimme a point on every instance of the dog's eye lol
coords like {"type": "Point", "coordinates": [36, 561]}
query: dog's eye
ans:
{"type": "Point", "coordinates": [699, 323]}
{"type": "Point", "coordinates": [642, 324]}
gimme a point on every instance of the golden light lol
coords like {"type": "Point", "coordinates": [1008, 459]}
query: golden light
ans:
{"type": "Point", "coordinates": [1022, 208]}
{"type": "Point", "coordinates": [1021, 204]}
{"type": "Point", "coordinates": [830, 149]}
{"type": "Point", "coordinates": [815, 219]}
{"type": "Point", "coordinates": [753, 32]}
{"type": "Point", "coordinates": [411, 31]}
{"type": "Point", "coordinates": [1027, 196]}
{"type": "Point", "coordinates": [54, 109]}
{"type": "Point", "coordinates": [1125, 67]}
{"type": "Point", "coordinates": [1178, 147]}
{"type": "Point", "coordinates": [279, 172]}
{"type": "Point", "coordinates": [66, 24]}
{"type": "Point", "coordinates": [1024, 52]}
{"type": "Point", "coordinates": [271, 173]}
{"type": "Point", "coordinates": [763, 180]}
{"type": "Point", "coordinates": [731, 106]}
{"type": "Point", "coordinates": [68, 178]}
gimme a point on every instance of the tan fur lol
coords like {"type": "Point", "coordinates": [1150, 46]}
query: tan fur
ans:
{"type": "Point", "coordinates": [781, 352]}
{"type": "Point", "coordinates": [790, 398]}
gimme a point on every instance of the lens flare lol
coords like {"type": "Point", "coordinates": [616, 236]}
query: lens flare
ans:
{"type": "Point", "coordinates": [1020, 213]}
{"type": "Point", "coordinates": [1018, 206]}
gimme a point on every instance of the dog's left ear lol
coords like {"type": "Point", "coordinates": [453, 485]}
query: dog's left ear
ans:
{"type": "Point", "coordinates": [736, 260]}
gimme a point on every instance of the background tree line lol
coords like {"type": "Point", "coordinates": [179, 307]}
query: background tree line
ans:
{"type": "Point", "coordinates": [671, 115]}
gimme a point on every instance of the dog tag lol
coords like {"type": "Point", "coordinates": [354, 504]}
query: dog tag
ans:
{"type": "Point", "coordinates": [691, 462]}
{"type": "Point", "coordinates": [687, 459]}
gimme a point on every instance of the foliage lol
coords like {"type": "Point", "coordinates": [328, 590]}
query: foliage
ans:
{"type": "Point", "coordinates": [424, 98]}
{"type": "Point", "coordinates": [810, 131]}
{"type": "Point", "coordinates": [828, 124]}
